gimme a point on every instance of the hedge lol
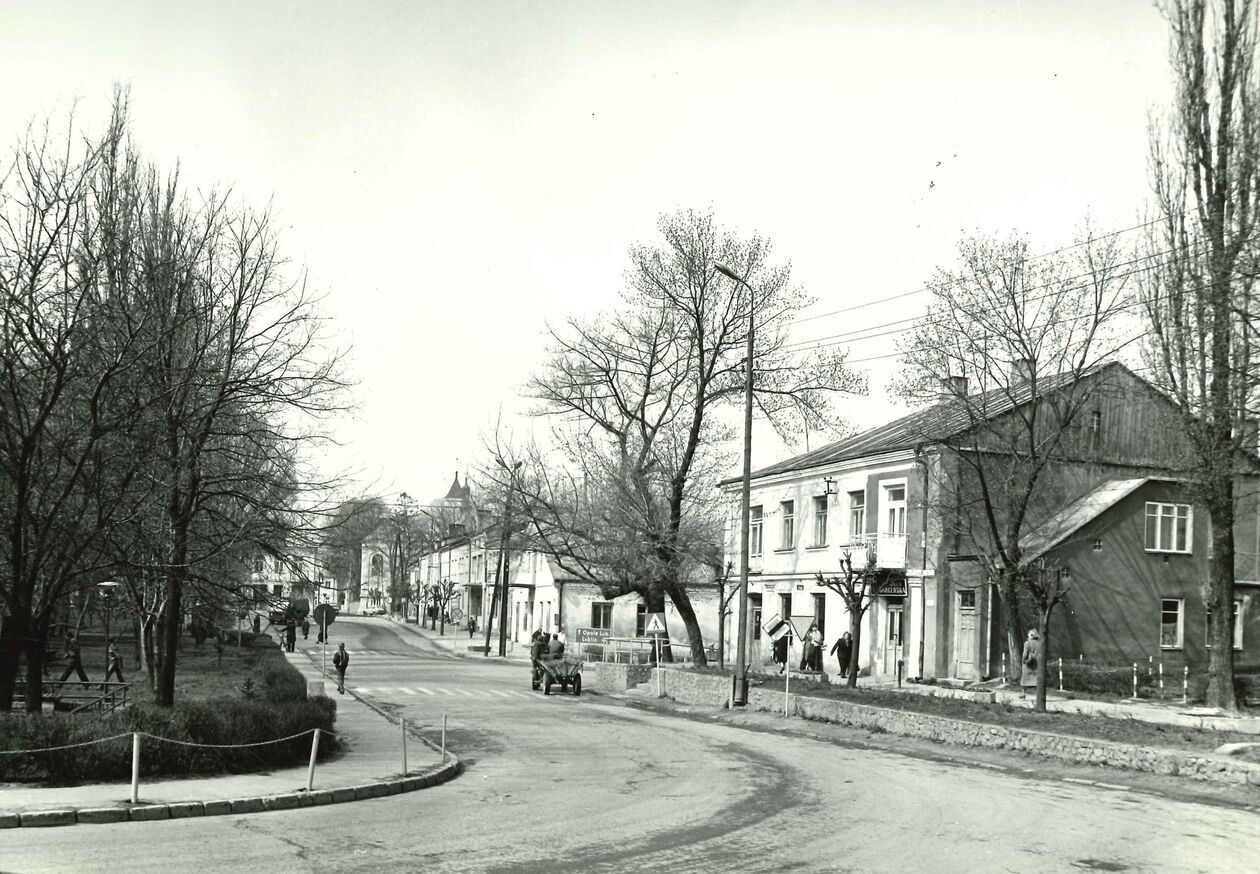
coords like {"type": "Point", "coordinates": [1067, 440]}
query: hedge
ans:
{"type": "Point", "coordinates": [278, 707]}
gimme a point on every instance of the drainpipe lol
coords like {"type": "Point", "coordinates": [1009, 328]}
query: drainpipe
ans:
{"type": "Point", "coordinates": [921, 459]}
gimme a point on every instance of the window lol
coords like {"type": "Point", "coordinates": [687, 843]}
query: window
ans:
{"type": "Point", "coordinates": [1167, 527]}
{"type": "Point", "coordinates": [754, 530]}
{"type": "Point", "coordinates": [820, 520]}
{"type": "Point", "coordinates": [1170, 623]}
{"type": "Point", "coordinates": [857, 516]}
{"type": "Point", "coordinates": [277, 589]}
{"type": "Point", "coordinates": [260, 564]}
{"type": "Point", "coordinates": [1097, 544]}
{"type": "Point", "coordinates": [967, 599]}
{"type": "Point", "coordinates": [1238, 626]}
{"type": "Point", "coordinates": [1065, 573]}
{"type": "Point", "coordinates": [640, 620]}
{"type": "Point", "coordinates": [788, 509]}
{"type": "Point", "coordinates": [894, 511]}
{"type": "Point", "coordinates": [378, 565]}
{"type": "Point", "coordinates": [601, 614]}
{"type": "Point", "coordinates": [785, 605]}
{"type": "Point", "coordinates": [820, 612]}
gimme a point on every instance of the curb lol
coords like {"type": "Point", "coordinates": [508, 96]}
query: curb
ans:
{"type": "Point", "coordinates": [259, 804]}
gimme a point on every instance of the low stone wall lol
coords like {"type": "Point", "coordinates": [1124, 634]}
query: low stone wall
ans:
{"type": "Point", "coordinates": [612, 677]}
{"type": "Point", "coordinates": [714, 690]}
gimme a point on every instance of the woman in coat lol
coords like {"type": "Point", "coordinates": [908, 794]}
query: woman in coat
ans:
{"type": "Point", "coordinates": [1031, 662]}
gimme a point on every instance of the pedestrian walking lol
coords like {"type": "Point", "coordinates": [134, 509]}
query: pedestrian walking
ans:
{"type": "Point", "coordinates": [75, 666]}
{"type": "Point", "coordinates": [341, 661]}
{"type": "Point", "coordinates": [1031, 660]}
{"type": "Point", "coordinates": [814, 639]}
{"type": "Point", "coordinates": [306, 628]}
{"type": "Point", "coordinates": [472, 626]}
{"type": "Point", "coordinates": [290, 636]}
{"type": "Point", "coordinates": [809, 644]}
{"type": "Point", "coordinates": [115, 664]}
{"type": "Point", "coordinates": [537, 648]}
{"type": "Point", "coordinates": [843, 651]}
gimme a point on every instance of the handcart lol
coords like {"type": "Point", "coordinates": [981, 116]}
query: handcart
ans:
{"type": "Point", "coordinates": [564, 671]}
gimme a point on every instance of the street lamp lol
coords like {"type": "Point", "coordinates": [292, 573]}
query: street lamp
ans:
{"type": "Point", "coordinates": [106, 590]}
{"type": "Point", "coordinates": [740, 695]}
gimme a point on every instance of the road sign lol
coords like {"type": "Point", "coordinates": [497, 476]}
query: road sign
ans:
{"type": "Point", "coordinates": [456, 614]}
{"type": "Point", "coordinates": [776, 626]}
{"type": "Point", "coordinates": [325, 615]}
{"type": "Point", "coordinates": [655, 624]}
{"type": "Point", "coordinates": [594, 635]}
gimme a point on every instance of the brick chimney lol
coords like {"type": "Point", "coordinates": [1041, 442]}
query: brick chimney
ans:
{"type": "Point", "coordinates": [1021, 370]}
{"type": "Point", "coordinates": [954, 387]}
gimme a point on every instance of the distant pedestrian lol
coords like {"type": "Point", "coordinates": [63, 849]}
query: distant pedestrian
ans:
{"type": "Point", "coordinates": [472, 626]}
{"type": "Point", "coordinates": [809, 644]}
{"type": "Point", "coordinates": [115, 664]}
{"type": "Point", "coordinates": [1033, 653]}
{"type": "Point", "coordinates": [306, 628]}
{"type": "Point", "coordinates": [843, 651]}
{"type": "Point", "coordinates": [341, 661]}
{"type": "Point", "coordinates": [290, 636]}
{"type": "Point", "coordinates": [75, 666]}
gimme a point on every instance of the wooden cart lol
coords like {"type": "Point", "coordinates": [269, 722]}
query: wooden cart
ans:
{"type": "Point", "coordinates": [565, 672]}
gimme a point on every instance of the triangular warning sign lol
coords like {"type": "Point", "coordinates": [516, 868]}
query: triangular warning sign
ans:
{"type": "Point", "coordinates": [655, 624]}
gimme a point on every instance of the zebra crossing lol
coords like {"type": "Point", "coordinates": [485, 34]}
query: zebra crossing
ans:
{"type": "Point", "coordinates": [445, 691]}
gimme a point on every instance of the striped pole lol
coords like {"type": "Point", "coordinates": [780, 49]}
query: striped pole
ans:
{"type": "Point", "coordinates": [1135, 680]}
{"type": "Point", "coordinates": [1185, 685]}
{"type": "Point", "coordinates": [1060, 673]}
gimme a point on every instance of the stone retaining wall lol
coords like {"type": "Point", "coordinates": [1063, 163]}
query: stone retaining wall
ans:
{"type": "Point", "coordinates": [714, 690]}
{"type": "Point", "coordinates": [611, 677]}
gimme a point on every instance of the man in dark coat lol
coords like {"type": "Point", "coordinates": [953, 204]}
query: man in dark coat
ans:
{"type": "Point", "coordinates": [341, 661]}
{"type": "Point", "coordinates": [843, 651]}
{"type": "Point", "coordinates": [555, 648]}
{"type": "Point", "coordinates": [537, 648]}
{"type": "Point", "coordinates": [75, 659]}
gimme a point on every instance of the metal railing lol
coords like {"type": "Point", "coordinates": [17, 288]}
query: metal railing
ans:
{"type": "Point", "coordinates": [81, 697]}
{"type": "Point", "coordinates": [887, 550]}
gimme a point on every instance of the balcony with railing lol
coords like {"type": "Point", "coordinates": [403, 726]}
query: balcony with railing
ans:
{"type": "Point", "coordinates": [885, 550]}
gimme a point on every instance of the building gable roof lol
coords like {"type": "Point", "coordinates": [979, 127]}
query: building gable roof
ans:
{"type": "Point", "coordinates": [942, 420]}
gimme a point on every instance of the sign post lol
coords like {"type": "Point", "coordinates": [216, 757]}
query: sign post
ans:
{"type": "Point", "coordinates": [654, 625]}
{"type": "Point", "coordinates": [325, 615]}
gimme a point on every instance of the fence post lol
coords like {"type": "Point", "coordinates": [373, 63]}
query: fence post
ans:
{"type": "Point", "coordinates": [135, 767]}
{"type": "Point", "coordinates": [1004, 668]}
{"type": "Point", "coordinates": [1135, 681]}
{"type": "Point", "coordinates": [404, 742]}
{"type": "Point", "coordinates": [310, 772]}
{"type": "Point", "coordinates": [1185, 685]}
{"type": "Point", "coordinates": [1161, 681]}
{"type": "Point", "coordinates": [1060, 673]}
{"type": "Point", "coordinates": [443, 737]}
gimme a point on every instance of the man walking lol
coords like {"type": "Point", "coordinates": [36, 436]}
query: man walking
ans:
{"type": "Point", "coordinates": [341, 660]}
{"type": "Point", "coordinates": [75, 658]}
{"type": "Point", "coordinates": [115, 664]}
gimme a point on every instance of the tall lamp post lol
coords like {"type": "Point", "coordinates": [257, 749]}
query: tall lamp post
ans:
{"type": "Point", "coordinates": [106, 590]}
{"type": "Point", "coordinates": [740, 679]}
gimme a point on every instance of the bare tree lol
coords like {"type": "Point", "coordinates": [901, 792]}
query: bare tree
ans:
{"type": "Point", "coordinates": [858, 588]}
{"type": "Point", "coordinates": [1200, 304]}
{"type": "Point", "coordinates": [1027, 334]}
{"type": "Point", "coordinates": [639, 396]}
{"type": "Point", "coordinates": [67, 346]}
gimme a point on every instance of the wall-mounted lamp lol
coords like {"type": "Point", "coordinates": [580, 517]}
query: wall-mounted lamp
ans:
{"type": "Point", "coordinates": [831, 487]}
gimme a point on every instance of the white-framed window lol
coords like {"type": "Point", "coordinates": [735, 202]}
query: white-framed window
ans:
{"type": "Point", "coordinates": [893, 510]}
{"type": "Point", "coordinates": [601, 614]}
{"type": "Point", "coordinates": [857, 516]}
{"type": "Point", "coordinates": [788, 510]}
{"type": "Point", "coordinates": [1168, 527]}
{"type": "Point", "coordinates": [820, 520]}
{"type": "Point", "coordinates": [1171, 623]}
{"type": "Point", "coordinates": [754, 530]}
{"type": "Point", "coordinates": [1238, 625]}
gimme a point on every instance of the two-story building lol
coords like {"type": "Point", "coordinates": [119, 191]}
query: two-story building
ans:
{"type": "Point", "coordinates": [881, 491]}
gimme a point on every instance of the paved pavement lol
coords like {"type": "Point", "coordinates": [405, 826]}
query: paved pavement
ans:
{"type": "Point", "coordinates": [373, 753]}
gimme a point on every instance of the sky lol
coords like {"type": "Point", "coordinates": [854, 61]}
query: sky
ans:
{"type": "Point", "coordinates": [456, 176]}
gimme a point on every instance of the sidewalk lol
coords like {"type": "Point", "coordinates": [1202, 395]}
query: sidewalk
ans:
{"type": "Point", "coordinates": [369, 766]}
{"type": "Point", "coordinates": [456, 642]}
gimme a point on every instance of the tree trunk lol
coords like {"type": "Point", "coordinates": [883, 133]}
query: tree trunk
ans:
{"type": "Point", "coordinates": [855, 632]}
{"type": "Point", "coordinates": [12, 631]}
{"type": "Point", "coordinates": [682, 603]}
{"type": "Point", "coordinates": [1220, 600]}
{"type": "Point", "coordinates": [170, 631]}
{"type": "Point", "coordinates": [1043, 626]}
{"type": "Point", "coordinates": [1008, 595]}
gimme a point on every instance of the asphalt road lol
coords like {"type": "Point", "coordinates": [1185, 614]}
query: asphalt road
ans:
{"type": "Point", "coordinates": [565, 783]}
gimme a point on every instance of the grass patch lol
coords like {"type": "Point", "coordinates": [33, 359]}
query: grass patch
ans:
{"type": "Point", "coordinates": [247, 695]}
{"type": "Point", "coordinates": [1131, 731]}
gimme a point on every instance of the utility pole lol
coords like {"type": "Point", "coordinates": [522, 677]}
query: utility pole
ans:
{"type": "Point", "coordinates": [740, 694]}
{"type": "Point", "coordinates": [505, 559]}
